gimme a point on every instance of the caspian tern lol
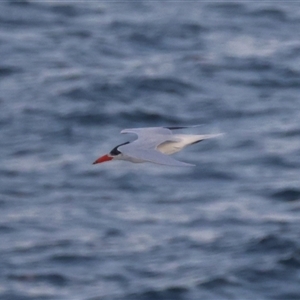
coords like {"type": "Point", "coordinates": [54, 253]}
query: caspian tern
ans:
{"type": "Point", "coordinates": [154, 144]}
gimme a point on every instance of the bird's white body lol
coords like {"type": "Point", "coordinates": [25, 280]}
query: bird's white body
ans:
{"type": "Point", "coordinates": [154, 144]}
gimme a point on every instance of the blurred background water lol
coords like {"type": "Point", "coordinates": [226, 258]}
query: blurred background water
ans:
{"type": "Point", "coordinates": [73, 74]}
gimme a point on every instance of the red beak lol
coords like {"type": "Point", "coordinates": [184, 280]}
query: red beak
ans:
{"type": "Point", "coordinates": [102, 159]}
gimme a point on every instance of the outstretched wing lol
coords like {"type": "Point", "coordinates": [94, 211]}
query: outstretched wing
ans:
{"type": "Point", "coordinates": [149, 131]}
{"type": "Point", "coordinates": [151, 155]}
{"type": "Point", "coordinates": [150, 138]}
{"type": "Point", "coordinates": [140, 132]}
{"type": "Point", "coordinates": [181, 127]}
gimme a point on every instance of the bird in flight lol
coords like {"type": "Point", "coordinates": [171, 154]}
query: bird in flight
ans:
{"type": "Point", "coordinates": [154, 144]}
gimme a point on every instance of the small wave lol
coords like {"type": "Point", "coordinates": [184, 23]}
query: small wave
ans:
{"type": "Point", "coordinates": [217, 282]}
{"type": "Point", "coordinates": [275, 14]}
{"type": "Point", "coordinates": [148, 117]}
{"type": "Point", "coordinates": [259, 275]}
{"type": "Point", "coordinates": [231, 8]}
{"type": "Point", "coordinates": [6, 229]}
{"type": "Point", "coordinates": [276, 161]}
{"type": "Point", "coordinates": [85, 118]}
{"type": "Point", "coordinates": [247, 47]}
{"type": "Point", "coordinates": [71, 258]}
{"type": "Point", "coordinates": [164, 36]}
{"type": "Point", "coordinates": [168, 85]}
{"type": "Point", "coordinates": [24, 13]}
{"type": "Point", "coordinates": [206, 173]}
{"type": "Point", "coordinates": [65, 9]}
{"type": "Point", "coordinates": [287, 194]}
{"type": "Point", "coordinates": [270, 242]}
{"type": "Point", "coordinates": [275, 83]}
{"type": "Point", "coordinates": [288, 296]}
{"type": "Point", "coordinates": [8, 70]}
{"type": "Point", "coordinates": [22, 3]}
{"type": "Point", "coordinates": [52, 278]}
{"type": "Point", "coordinates": [169, 293]}
{"type": "Point", "coordinates": [113, 232]}
{"type": "Point", "coordinates": [292, 260]}
{"type": "Point", "coordinates": [294, 132]}
{"type": "Point", "coordinates": [75, 93]}
{"type": "Point", "coordinates": [37, 247]}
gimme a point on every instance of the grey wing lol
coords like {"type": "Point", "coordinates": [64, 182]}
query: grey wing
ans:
{"type": "Point", "coordinates": [153, 156]}
{"type": "Point", "coordinates": [181, 127]}
{"type": "Point", "coordinates": [148, 131]}
{"type": "Point", "coordinates": [151, 137]}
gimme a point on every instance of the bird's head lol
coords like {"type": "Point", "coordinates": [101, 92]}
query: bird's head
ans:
{"type": "Point", "coordinates": [113, 154]}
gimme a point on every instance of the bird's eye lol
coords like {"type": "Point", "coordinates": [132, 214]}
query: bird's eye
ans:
{"type": "Point", "coordinates": [115, 151]}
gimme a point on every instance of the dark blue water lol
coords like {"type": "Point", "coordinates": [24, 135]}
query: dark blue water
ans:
{"type": "Point", "coordinates": [74, 74]}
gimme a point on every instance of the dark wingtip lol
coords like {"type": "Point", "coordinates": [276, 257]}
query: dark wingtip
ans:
{"type": "Point", "coordinates": [175, 127]}
{"type": "Point", "coordinates": [181, 127]}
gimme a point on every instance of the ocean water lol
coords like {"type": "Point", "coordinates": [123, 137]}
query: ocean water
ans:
{"type": "Point", "coordinates": [73, 74]}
